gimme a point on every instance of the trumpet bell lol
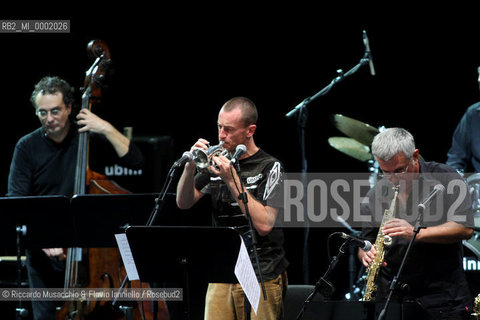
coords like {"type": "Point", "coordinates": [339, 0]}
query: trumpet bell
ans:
{"type": "Point", "coordinates": [203, 158]}
{"type": "Point", "coordinates": [200, 158]}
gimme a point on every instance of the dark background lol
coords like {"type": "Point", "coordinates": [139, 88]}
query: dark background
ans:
{"type": "Point", "coordinates": [174, 66]}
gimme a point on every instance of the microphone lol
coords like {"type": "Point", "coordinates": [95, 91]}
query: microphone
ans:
{"type": "Point", "coordinates": [369, 53]}
{"type": "Point", "coordinates": [439, 188]}
{"type": "Point", "coordinates": [239, 151]}
{"type": "Point", "coordinates": [186, 157]}
{"type": "Point", "coordinates": [365, 245]}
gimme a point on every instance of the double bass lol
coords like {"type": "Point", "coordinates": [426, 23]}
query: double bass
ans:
{"type": "Point", "coordinates": [104, 268]}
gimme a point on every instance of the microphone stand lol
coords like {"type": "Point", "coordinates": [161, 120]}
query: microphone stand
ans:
{"type": "Point", "coordinates": [339, 78]}
{"type": "Point", "coordinates": [20, 311]}
{"type": "Point", "coordinates": [243, 196]}
{"type": "Point", "coordinates": [159, 202]}
{"type": "Point", "coordinates": [323, 285]}
{"type": "Point", "coordinates": [351, 258]}
{"type": "Point", "coordinates": [393, 285]}
{"type": "Point", "coordinates": [301, 110]}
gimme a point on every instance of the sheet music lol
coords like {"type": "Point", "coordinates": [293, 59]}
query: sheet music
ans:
{"type": "Point", "coordinates": [127, 256]}
{"type": "Point", "coordinates": [246, 276]}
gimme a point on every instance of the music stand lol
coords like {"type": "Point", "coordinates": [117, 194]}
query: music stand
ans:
{"type": "Point", "coordinates": [43, 221]}
{"type": "Point", "coordinates": [165, 254]}
{"type": "Point", "coordinates": [98, 217]}
{"type": "Point", "coordinates": [47, 220]}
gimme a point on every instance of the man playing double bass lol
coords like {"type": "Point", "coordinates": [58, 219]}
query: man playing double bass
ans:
{"type": "Point", "coordinates": [44, 163]}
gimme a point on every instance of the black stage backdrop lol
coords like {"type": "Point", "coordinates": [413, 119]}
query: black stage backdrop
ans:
{"type": "Point", "coordinates": [175, 66]}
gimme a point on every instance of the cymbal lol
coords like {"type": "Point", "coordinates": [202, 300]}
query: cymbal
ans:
{"type": "Point", "coordinates": [351, 147]}
{"type": "Point", "coordinates": [362, 132]}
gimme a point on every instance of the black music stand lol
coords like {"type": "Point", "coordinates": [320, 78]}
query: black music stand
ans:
{"type": "Point", "coordinates": [35, 222]}
{"type": "Point", "coordinates": [98, 217]}
{"type": "Point", "coordinates": [47, 220]}
{"type": "Point", "coordinates": [168, 254]}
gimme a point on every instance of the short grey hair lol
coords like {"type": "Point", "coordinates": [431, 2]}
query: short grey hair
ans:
{"type": "Point", "coordinates": [391, 141]}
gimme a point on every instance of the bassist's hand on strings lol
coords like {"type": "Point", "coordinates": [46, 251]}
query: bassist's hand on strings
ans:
{"type": "Point", "coordinates": [53, 253]}
{"type": "Point", "coordinates": [89, 121]}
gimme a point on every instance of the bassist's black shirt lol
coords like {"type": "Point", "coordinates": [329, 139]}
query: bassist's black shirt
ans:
{"type": "Point", "coordinates": [41, 166]}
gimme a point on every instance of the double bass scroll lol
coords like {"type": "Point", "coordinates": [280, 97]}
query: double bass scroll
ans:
{"type": "Point", "coordinates": [86, 180]}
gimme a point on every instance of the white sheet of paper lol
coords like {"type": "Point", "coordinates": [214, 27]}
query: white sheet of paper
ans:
{"type": "Point", "coordinates": [246, 277]}
{"type": "Point", "coordinates": [127, 256]}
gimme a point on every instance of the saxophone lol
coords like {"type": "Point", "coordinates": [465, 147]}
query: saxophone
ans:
{"type": "Point", "coordinates": [381, 241]}
{"type": "Point", "coordinates": [476, 308]}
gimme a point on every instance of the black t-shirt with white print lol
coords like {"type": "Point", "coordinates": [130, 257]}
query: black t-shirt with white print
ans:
{"type": "Point", "coordinates": [261, 175]}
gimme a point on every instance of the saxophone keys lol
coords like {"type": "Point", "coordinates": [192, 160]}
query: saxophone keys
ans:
{"type": "Point", "coordinates": [387, 240]}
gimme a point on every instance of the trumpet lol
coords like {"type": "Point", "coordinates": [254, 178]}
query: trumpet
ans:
{"type": "Point", "coordinates": [203, 158]}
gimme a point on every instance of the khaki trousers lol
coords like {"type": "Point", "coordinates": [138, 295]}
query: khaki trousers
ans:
{"type": "Point", "coordinates": [225, 301]}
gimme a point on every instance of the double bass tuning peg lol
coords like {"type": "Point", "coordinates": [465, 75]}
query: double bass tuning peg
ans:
{"type": "Point", "coordinates": [97, 48]}
{"type": "Point", "coordinates": [95, 75]}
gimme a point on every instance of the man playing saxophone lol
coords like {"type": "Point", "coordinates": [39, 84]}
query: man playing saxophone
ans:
{"type": "Point", "coordinates": [433, 272]}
